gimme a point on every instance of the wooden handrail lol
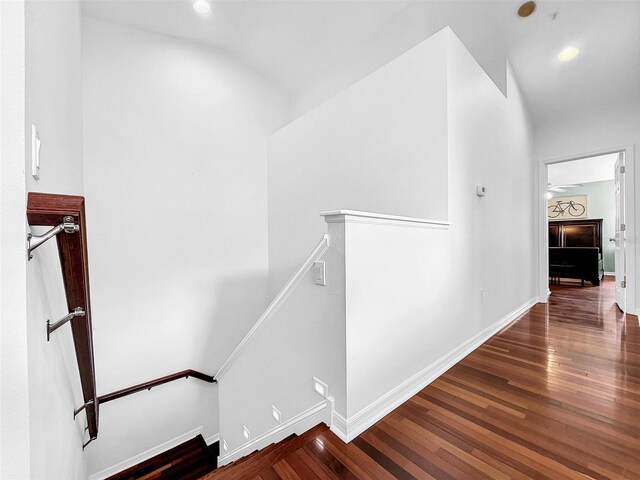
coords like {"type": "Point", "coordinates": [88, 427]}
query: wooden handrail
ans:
{"type": "Point", "coordinates": [154, 383]}
{"type": "Point", "coordinates": [45, 209]}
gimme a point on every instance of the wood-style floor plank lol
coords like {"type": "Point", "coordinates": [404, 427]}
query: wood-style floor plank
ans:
{"type": "Point", "coordinates": [554, 396]}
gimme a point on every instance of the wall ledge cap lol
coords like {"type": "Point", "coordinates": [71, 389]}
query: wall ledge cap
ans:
{"type": "Point", "coordinates": [338, 216]}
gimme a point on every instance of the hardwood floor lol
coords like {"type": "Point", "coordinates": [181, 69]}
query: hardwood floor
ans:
{"type": "Point", "coordinates": [556, 395]}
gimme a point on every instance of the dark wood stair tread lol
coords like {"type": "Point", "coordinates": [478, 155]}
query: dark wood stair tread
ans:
{"type": "Point", "coordinates": [189, 460]}
{"type": "Point", "coordinates": [256, 462]}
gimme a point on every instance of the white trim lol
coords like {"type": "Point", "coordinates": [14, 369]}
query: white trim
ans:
{"type": "Point", "coordinates": [339, 426]}
{"type": "Point", "coordinates": [354, 216]}
{"type": "Point", "coordinates": [146, 455]}
{"type": "Point", "coordinates": [299, 424]}
{"type": "Point", "coordinates": [610, 273]}
{"type": "Point", "coordinates": [277, 302]}
{"type": "Point", "coordinates": [347, 430]}
{"type": "Point", "coordinates": [212, 439]}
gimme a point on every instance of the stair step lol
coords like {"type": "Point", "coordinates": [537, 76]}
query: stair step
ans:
{"type": "Point", "coordinates": [256, 462]}
{"type": "Point", "coordinates": [265, 451]}
{"type": "Point", "coordinates": [189, 460]}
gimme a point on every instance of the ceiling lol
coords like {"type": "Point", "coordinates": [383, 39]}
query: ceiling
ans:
{"type": "Point", "coordinates": [315, 48]}
{"type": "Point", "coordinates": [586, 170]}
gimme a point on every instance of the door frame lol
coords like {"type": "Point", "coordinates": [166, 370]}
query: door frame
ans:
{"type": "Point", "coordinates": [630, 222]}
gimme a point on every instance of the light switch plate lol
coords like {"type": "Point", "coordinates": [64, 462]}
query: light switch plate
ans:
{"type": "Point", "coordinates": [319, 273]}
{"type": "Point", "coordinates": [35, 153]}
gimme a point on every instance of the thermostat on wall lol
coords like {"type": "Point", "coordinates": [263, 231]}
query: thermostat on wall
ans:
{"type": "Point", "coordinates": [481, 191]}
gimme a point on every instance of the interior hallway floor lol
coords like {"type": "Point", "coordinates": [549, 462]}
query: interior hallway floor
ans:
{"type": "Point", "coordinates": [555, 395]}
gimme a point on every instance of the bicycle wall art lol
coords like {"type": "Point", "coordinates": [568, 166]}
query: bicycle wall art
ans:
{"type": "Point", "coordinates": [561, 208]}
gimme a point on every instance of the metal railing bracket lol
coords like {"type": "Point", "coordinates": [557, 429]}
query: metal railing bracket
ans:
{"type": "Point", "coordinates": [68, 225]}
{"type": "Point", "coordinates": [77, 312]}
{"type": "Point", "coordinates": [80, 409]}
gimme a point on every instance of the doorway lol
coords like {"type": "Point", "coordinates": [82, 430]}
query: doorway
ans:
{"type": "Point", "coordinates": [586, 216]}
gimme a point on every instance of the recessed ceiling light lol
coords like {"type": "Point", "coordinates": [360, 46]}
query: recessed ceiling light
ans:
{"type": "Point", "coordinates": [568, 53]}
{"type": "Point", "coordinates": [527, 9]}
{"type": "Point", "coordinates": [202, 7]}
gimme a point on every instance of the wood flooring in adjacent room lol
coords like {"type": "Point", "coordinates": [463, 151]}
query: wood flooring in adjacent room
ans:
{"type": "Point", "coordinates": [556, 395]}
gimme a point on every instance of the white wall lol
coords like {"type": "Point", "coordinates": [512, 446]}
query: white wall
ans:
{"type": "Point", "coordinates": [490, 144]}
{"type": "Point", "coordinates": [175, 141]}
{"type": "Point", "coordinates": [304, 338]}
{"type": "Point", "coordinates": [14, 373]}
{"type": "Point", "coordinates": [379, 146]}
{"type": "Point", "coordinates": [54, 105]}
{"type": "Point", "coordinates": [413, 295]}
{"type": "Point", "coordinates": [582, 132]}
{"type": "Point", "coordinates": [398, 297]}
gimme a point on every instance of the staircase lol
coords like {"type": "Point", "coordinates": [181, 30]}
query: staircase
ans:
{"type": "Point", "coordinates": [190, 460]}
{"type": "Point", "coordinates": [259, 461]}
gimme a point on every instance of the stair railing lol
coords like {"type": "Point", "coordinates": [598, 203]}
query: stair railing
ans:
{"type": "Point", "coordinates": [154, 383]}
{"type": "Point", "coordinates": [66, 214]}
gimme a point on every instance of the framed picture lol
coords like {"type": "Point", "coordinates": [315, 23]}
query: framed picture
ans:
{"type": "Point", "coordinates": [563, 208]}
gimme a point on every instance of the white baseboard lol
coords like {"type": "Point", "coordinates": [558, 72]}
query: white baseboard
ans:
{"type": "Point", "coordinates": [348, 429]}
{"type": "Point", "coordinates": [146, 455]}
{"type": "Point", "coordinates": [339, 426]}
{"type": "Point", "coordinates": [612, 274]}
{"type": "Point", "coordinates": [212, 439]}
{"type": "Point", "coordinates": [319, 413]}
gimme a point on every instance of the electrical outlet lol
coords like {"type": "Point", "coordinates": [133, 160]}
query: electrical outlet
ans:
{"type": "Point", "coordinates": [319, 273]}
{"type": "Point", "coordinates": [225, 447]}
{"type": "Point", "coordinates": [246, 433]}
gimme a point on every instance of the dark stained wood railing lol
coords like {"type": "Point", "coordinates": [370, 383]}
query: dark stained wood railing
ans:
{"type": "Point", "coordinates": [154, 383]}
{"type": "Point", "coordinates": [45, 209]}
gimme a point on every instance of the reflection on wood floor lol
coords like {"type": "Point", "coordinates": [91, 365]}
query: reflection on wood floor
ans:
{"type": "Point", "coordinates": [556, 395]}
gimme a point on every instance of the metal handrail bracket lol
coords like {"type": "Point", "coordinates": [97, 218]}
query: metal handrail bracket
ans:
{"type": "Point", "coordinates": [67, 226]}
{"type": "Point", "coordinates": [79, 409]}
{"type": "Point", "coordinates": [88, 442]}
{"type": "Point", "coordinates": [77, 312]}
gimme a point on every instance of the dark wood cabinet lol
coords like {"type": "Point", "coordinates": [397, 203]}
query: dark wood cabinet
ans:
{"type": "Point", "coordinates": [576, 233]}
{"type": "Point", "coordinates": [575, 250]}
{"type": "Point", "coordinates": [554, 234]}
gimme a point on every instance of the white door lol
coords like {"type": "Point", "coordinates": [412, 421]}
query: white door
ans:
{"type": "Point", "coordinates": [621, 279]}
